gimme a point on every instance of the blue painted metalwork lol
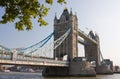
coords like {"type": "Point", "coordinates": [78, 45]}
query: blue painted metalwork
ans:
{"type": "Point", "coordinates": [46, 40]}
{"type": "Point", "coordinates": [34, 47]}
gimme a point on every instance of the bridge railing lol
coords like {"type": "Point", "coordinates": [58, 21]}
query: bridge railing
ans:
{"type": "Point", "coordinates": [5, 55]}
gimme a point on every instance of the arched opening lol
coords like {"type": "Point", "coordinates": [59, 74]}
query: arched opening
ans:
{"type": "Point", "coordinates": [65, 57]}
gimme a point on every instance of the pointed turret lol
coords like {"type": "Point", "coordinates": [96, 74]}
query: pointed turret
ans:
{"type": "Point", "coordinates": [96, 37]}
{"type": "Point", "coordinates": [71, 12]}
{"type": "Point", "coordinates": [76, 15]}
{"type": "Point", "coordinates": [65, 15]}
{"type": "Point", "coordinates": [55, 19]}
{"type": "Point", "coordinates": [55, 16]}
{"type": "Point", "coordinates": [91, 34]}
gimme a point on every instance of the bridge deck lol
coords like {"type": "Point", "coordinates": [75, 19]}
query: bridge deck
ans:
{"type": "Point", "coordinates": [35, 63]}
{"type": "Point", "coordinates": [19, 59]}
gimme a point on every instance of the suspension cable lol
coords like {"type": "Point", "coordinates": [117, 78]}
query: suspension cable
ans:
{"type": "Point", "coordinates": [35, 49]}
{"type": "Point", "coordinates": [101, 55]}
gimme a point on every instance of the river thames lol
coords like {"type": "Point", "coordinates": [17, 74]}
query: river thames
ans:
{"type": "Point", "coordinates": [17, 75]}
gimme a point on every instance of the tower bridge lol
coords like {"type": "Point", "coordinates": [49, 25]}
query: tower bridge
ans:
{"type": "Point", "coordinates": [66, 38]}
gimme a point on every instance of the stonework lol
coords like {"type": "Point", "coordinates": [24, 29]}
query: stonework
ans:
{"type": "Point", "coordinates": [81, 68]}
{"type": "Point", "coordinates": [104, 69]}
{"type": "Point", "coordinates": [55, 71]}
{"type": "Point", "coordinates": [69, 46]}
{"type": "Point", "coordinates": [92, 51]}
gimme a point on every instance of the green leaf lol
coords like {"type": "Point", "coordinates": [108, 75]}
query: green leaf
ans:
{"type": "Point", "coordinates": [49, 1]}
{"type": "Point", "coordinates": [24, 11]}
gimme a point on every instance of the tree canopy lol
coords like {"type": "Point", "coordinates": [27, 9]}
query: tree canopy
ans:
{"type": "Point", "coordinates": [24, 11]}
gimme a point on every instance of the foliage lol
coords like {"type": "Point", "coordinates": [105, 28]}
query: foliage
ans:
{"type": "Point", "coordinates": [24, 11]}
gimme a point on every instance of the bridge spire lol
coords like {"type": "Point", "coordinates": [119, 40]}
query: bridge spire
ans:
{"type": "Point", "coordinates": [71, 11]}
{"type": "Point", "coordinates": [55, 18]}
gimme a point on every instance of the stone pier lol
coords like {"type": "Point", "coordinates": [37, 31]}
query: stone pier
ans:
{"type": "Point", "coordinates": [55, 71]}
{"type": "Point", "coordinates": [81, 68]}
{"type": "Point", "coordinates": [75, 69]}
{"type": "Point", "coordinates": [104, 69]}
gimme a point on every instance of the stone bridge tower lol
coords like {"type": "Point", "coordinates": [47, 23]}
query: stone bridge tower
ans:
{"type": "Point", "coordinates": [69, 46]}
{"type": "Point", "coordinates": [92, 50]}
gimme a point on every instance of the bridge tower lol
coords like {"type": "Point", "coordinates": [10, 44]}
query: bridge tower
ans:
{"type": "Point", "coordinates": [92, 50]}
{"type": "Point", "coordinates": [92, 53]}
{"type": "Point", "coordinates": [69, 46]}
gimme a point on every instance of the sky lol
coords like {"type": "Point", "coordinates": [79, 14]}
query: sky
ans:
{"type": "Point", "coordinates": [101, 16]}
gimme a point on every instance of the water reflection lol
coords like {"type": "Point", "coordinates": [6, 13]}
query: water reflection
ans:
{"type": "Point", "coordinates": [73, 78]}
{"type": "Point", "coordinates": [39, 76]}
{"type": "Point", "coordinates": [114, 76]}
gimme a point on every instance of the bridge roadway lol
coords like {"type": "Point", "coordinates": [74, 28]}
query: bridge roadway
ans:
{"type": "Point", "coordinates": [7, 59]}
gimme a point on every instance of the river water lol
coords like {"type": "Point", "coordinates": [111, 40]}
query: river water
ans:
{"type": "Point", "coordinates": [17, 75]}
